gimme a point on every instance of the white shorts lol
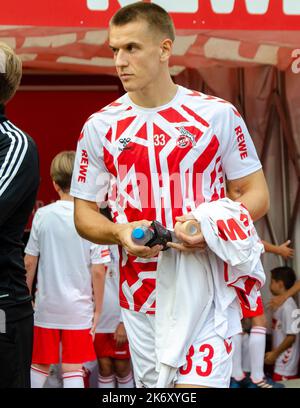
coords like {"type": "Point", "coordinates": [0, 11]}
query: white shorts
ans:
{"type": "Point", "coordinates": [140, 333]}
{"type": "Point", "coordinates": [208, 363]}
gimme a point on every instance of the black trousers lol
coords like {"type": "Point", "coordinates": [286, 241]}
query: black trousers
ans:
{"type": "Point", "coordinates": [16, 353]}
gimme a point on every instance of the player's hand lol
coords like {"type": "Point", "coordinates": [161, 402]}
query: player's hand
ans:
{"type": "Point", "coordinates": [94, 324]}
{"type": "Point", "coordinates": [124, 236]}
{"type": "Point", "coordinates": [120, 335]}
{"type": "Point", "coordinates": [276, 301]}
{"type": "Point", "coordinates": [188, 243]}
{"type": "Point", "coordinates": [270, 357]}
{"type": "Point", "coordinates": [285, 251]}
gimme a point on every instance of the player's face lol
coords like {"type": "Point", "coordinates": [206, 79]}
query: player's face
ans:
{"type": "Point", "coordinates": [137, 53]}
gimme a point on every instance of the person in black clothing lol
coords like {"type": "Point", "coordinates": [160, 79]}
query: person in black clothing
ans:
{"type": "Point", "coordinates": [19, 181]}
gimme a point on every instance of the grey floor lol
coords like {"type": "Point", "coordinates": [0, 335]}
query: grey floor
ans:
{"type": "Point", "coordinates": [291, 383]}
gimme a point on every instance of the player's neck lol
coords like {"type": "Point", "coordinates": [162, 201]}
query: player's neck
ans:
{"type": "Point", "coordinates": [65, 197]}
{"type": "Point", "coordinates": [155, 95]}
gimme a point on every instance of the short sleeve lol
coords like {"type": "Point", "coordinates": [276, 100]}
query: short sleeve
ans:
{"type": "Point", "coordinates": [239, 156]}
{"type": "Point", "coordinates": [100, 254]}
{"type": "Point", "coordinates": [289, 322]}
{"type": "Point", "coordinates": [90, 179]}
{"type": "Point", "coordinates": [33, 244]}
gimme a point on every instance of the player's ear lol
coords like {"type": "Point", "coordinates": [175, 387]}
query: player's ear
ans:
{"type": "Point", "coordinates": [166, 47]}
{"type": "Point", "coordinates": [56, 186]}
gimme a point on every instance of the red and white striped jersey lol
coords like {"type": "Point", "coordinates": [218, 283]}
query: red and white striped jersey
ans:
{"type": "Point", "coordinates": [165, 161]}
{"type": "Point", "coordinates": [284, 322]}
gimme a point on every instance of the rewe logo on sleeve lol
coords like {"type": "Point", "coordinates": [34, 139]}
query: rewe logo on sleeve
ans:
{"type": "Point", "coordinates": [84, 162]}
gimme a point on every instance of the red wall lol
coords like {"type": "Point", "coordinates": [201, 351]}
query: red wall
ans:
{"type": "Point", "coordinates": [54, 120]}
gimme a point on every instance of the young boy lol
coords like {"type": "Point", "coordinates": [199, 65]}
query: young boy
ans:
{"type": "Point", "coordinates": [111, 344]}
{"type": "Point", "coordinates": [68, 272]}
{"type": "Point", "coordinates": [285, 352]}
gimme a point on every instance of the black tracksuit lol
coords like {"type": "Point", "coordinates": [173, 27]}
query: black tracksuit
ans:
{"type": "Point", "coordinates": [19, 180]}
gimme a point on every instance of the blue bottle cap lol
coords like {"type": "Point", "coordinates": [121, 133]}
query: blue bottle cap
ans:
{"type": "Point", "coordinates": [138, 233]}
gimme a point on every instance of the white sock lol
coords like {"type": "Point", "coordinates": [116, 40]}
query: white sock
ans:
{"type": "Point", "coordinates": [73, 379]}
{"type": "Point", "coordinates": [237, 371]}
{"type": "Point", "coordinates": [257, 347]}
{"type": "Point", "coordinates": [245, 353]}
{"type": "Point", "coordinates": [38, 377]}
{"type": "Point", "coordinates": [125, 382]}
{"type": "Point", "coordinates": [106, 382]}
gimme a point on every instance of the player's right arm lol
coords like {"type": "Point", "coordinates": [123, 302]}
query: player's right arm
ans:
{"type": "Point", "coordinates": [271, 356]}
{"type": "Point", "coordinates": [278, 300]}
{"type": "Point", "coordinates": [93, 226]}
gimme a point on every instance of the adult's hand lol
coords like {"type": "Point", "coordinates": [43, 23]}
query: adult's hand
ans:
{"type": "Point", "coordinates": [94, 324]}
{"type": "Point", "coordinates": [187, 243]}
{"type": "Point", "coordinates": [124, 237]}
{"type": "Point", "coordinates": [276, 301]}
{"type": "Point", "coordinates": [270, 357]}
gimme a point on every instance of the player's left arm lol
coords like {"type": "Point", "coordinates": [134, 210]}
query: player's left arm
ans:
{"type": "Point", "coordinates": [98, 272]}
{"type": "Point", "coordinates": [272, 356]}
{"type": "Point", "coordinates": [246, 182]}
{"type": "Point", "coordinates": [252, 191]}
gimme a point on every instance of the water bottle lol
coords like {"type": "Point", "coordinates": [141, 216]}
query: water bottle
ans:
{"type": "Point", "coordinates": [141, 235]}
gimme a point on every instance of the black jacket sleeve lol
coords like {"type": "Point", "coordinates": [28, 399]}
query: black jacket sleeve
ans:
{"type": "Point", "coordinates": [19, 172]}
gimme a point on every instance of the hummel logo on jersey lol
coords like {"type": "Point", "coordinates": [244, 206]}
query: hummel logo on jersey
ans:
{"type": "Point", "coordinates": [124, 141]}
{"type": "Point", "coordinates": [185, 139]}
{"type": "Point", "coordinates": [228, 345]}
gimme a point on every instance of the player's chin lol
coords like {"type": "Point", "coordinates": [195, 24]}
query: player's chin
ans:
{"type": "Point", "coordinates": [129, 87]}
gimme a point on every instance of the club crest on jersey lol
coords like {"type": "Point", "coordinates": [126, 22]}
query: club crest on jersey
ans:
{"type": "Point", "coordinates": [185, 139]}
{"type": "Point", "coordinates": [124, 142]}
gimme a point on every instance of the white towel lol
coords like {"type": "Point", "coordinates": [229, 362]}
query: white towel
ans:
{"type": "Point", "coordinates": [188, 284]}
{"type": "Point", "coordinates": [185, 292]}
{"type": "Point", "coordinates": [230, 234]}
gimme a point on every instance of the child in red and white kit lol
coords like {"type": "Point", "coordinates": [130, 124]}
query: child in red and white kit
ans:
{"type": "Point", "coordinates": [111, 344]}
{"type": "Point", "coordinates": [285, 333]}
{"type": "Point", "coordinates": [69, 271]}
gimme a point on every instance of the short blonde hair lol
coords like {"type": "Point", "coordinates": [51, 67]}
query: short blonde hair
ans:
{"type": "Point", "coordinates": [10, 72]}
{"type": "Point", "coordinates": [62, 168]}
{"type": "Point", "coordinates": [156, 17]}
